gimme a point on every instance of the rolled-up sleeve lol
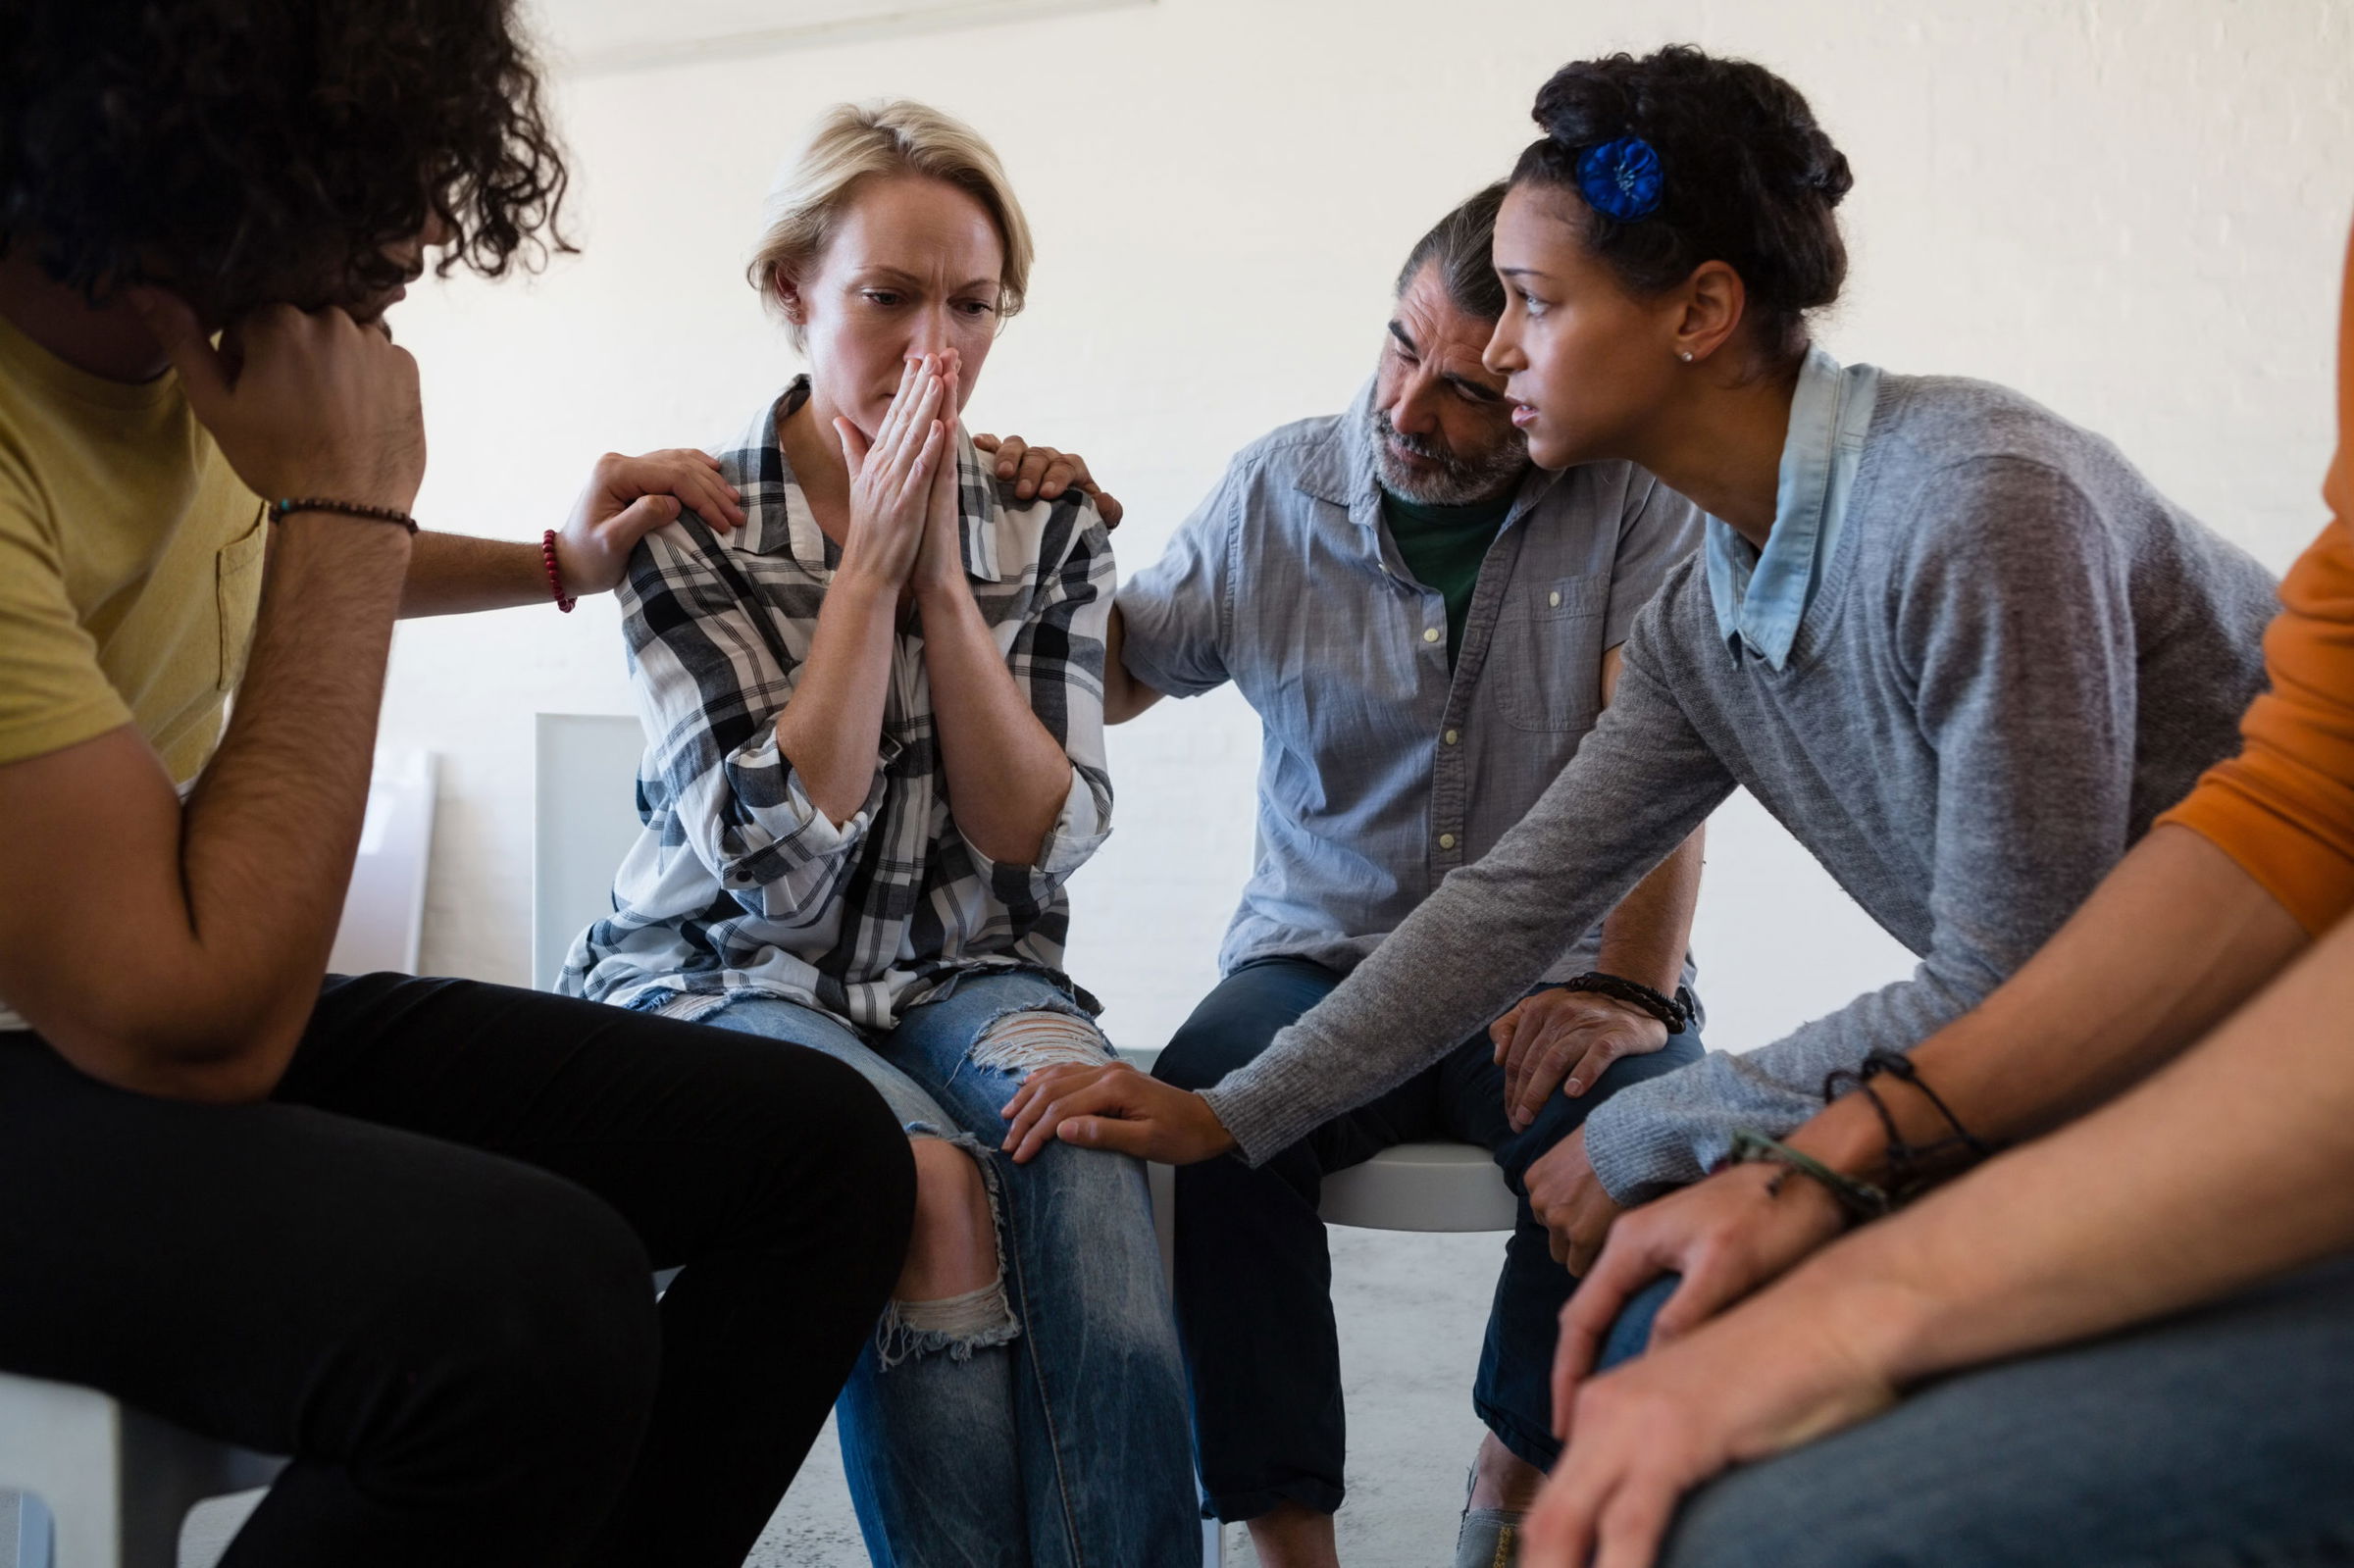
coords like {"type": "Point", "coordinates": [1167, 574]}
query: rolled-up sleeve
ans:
{"type": "Point", "coordinates": [1057, 662]}
{"type": "Point", "coordinates": [1658, 529]}
{"type": "Point", "coordinates": [1174, 615]}
{"type": "Point", "coordinates": [2283, 808]}
{"type": "Point", "coordinates": [712, 679]}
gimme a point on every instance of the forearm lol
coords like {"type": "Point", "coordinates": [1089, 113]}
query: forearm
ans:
{"type": "Point", "coordinates": [1646, 938]}
{"type": "Point", "coordinates": [2170, 943]}
{"type": "Point", "coordinates": [1639, 785]}
{"type": "Point", "coordinates": [2233, 1163]}
{"type": "Point", "coordinates": [1124, 695]}
{"type": "Point", "coordinates": [1007, 776]}
{"type": "Point", "coordinates": [452, 574]}
{"type": "Point", "coordinates": [831, 729]}
{"type": "Point", "coordinates": [269, 834]}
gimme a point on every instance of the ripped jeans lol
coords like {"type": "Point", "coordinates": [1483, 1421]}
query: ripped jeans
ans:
{"type": "Point", "coordinates": [1046, 1429]}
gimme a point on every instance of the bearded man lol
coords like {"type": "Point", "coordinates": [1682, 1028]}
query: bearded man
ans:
{"type": "Point", "coordinates": [1427, 625]}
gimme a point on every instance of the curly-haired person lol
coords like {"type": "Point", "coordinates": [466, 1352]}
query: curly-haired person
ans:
{"type": "Point", "coordinates": [400, 1230]}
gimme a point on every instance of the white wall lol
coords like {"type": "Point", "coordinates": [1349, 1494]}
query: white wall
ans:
{"type": "Point", "coordinates": [2134, 213]}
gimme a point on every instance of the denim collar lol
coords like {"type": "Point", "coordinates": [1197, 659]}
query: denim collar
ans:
{"type": "Point", "coordinates": [1760, 598]}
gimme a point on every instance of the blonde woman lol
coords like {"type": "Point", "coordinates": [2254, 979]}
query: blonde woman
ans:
{"type": "Point", "coordinates": [876, 724]}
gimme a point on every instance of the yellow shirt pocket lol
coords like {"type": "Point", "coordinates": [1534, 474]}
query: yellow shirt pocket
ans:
{"type": "Point", "coordinates": [238, 592]}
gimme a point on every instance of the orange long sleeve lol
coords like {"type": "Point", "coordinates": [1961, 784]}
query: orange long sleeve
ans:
{"type": "Point", "coordinates": [2283, 808]}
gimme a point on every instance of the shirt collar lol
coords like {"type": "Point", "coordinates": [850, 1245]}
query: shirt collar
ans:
{"type": "Point", "coordinates": [778, 518]}
{"type": "Point", "coordinates": [1349, 474]}
{"type": "Point", "coordinates": [1760, 598]}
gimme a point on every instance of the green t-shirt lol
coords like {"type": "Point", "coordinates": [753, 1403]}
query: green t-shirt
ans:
{"type": "Point", "coordinates": [1443, 546]}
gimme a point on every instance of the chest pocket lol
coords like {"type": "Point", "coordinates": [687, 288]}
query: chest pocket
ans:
{"type": "Point", "coordinates": [1546, 665]}
{"type": "Point", "coordinates": [237, 596]}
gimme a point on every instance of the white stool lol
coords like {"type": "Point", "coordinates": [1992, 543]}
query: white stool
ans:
{"type": "Point", "coordinates": [103, 1486]}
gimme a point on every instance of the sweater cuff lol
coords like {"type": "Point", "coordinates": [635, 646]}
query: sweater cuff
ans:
{"type": "Point", "coordinates": [1637, 1152]}
{"type": "Point", "coordinates": [1269, 1104]}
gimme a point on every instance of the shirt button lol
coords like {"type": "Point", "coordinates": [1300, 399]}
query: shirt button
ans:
{"type": "Point", "coordinates": [1446, 841]}
{"type": "Point", "coordinates": [1431, 635]}
{"type": "Point", "coordinates": [1452, 736]}
{"type": "Point", "coordinates": [1553, 601]}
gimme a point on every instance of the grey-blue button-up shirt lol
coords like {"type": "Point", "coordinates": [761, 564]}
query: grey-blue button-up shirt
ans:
{"type": "Point", "coordinates": [1381, 769]}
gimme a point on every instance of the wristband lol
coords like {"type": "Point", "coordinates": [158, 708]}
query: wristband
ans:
{"type": "Point", "coordinates": [1860, 1199]}
{"type": "Point", "coordinates": [1673, 1011]}
{"type": "Point", "coordinates": [1911, 1166]}
{"type": "Point", "coordinates": [280, 510]}
{"type": "Point", "coordinates": [556, 578]}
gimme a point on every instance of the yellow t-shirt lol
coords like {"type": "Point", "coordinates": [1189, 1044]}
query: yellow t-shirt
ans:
{"type": "Point", "coordinates": [131, 564]}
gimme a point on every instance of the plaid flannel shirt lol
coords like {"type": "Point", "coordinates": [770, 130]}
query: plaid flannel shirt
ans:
{"type": "Point", "coordinates": [739, 883]}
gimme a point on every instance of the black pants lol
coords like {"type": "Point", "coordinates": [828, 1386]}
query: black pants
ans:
{"type": "Point", "coordinates": [1254, 1275]}
{"type": "Point", "coordinates": [423, 1270]}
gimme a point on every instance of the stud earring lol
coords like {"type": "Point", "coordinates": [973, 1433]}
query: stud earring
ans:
{"type": "Point", "coordinates": [1684, 354]}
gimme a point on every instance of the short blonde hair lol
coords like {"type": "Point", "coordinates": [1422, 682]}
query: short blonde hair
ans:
{"type": "Point", "coordinates": [859, 141]}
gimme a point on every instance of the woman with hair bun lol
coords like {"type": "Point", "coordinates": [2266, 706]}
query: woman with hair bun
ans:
{"type": "Point", "coordinates": [2151, 1308]}
{"type": "Point", "coordinates": [1961, 647]}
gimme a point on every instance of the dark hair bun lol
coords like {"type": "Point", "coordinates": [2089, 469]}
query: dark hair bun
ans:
{"type": "Point", "coordinates": [1749, 178]}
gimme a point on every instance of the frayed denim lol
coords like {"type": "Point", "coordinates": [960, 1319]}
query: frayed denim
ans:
{"type": "Point", "coordinates": [1040, 1422]}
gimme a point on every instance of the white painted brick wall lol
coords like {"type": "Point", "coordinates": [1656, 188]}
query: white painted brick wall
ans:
{"type": "Point", "coordinates": [2133, 211]}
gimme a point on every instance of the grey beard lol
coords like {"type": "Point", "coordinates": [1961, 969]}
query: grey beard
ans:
{"type": "Point", "coordinates": [1459, 481]}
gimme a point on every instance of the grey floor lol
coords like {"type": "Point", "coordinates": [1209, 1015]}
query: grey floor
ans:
{"type": "Point", "coordinates": [1411, 1311]}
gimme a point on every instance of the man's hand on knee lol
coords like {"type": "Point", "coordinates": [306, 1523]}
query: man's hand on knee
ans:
{"type": "Point", "coordinates": [1565, 1040]}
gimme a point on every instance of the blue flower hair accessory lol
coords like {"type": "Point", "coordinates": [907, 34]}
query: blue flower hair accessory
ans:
{"type": "Point", "coordinates": [1621, 178]}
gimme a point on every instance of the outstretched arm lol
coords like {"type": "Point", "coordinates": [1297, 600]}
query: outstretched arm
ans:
{"type": "Point", "coordinates": [626, 499]}
{"type": "Point", "coordinates": [1639, 784]}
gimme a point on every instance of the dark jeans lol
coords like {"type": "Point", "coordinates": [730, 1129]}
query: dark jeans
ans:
{"type": "Point", "coordinates": [2219, 1438]}
{"type": "Point", "coordinates": [1255, 1276]}
{"type": "Point", "coordinates": [423, 1269]}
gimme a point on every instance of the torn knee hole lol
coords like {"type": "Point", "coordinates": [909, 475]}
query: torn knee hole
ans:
{"type": "Point", "coordinates": [951, 1293]}
{"type": "Point", "coordinates": [1023, 1043]}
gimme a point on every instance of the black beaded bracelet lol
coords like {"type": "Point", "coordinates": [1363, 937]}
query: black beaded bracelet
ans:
{"type": "Point", "coordinates": [280, 510]}
{"type": "Point", "coordinates": [1675, 1011]}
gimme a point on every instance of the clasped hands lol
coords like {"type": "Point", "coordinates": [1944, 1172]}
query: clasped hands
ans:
{"type": "Point", "coordinates": [629, 497]}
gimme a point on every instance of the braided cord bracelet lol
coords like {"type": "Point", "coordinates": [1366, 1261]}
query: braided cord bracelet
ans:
{"type": "Point", "coordinates": [280, 510]}
{"type": "Point", "coordinates": [1860, 1199]}
{"type": "Point", "coordinates": [1673, 1011]}
{"type": "Point", "coordinates": [1906, 1159]}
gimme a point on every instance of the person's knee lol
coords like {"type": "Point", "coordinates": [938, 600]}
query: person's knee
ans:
{"type": "Point", "coordinates": [952, 1293]}
{"type": "Point", "coordinates": [1234, 1025]}
{"type": "Point", "coordinates": [525, 1335]}
{"type": "Point", "coordinates": [574, 1324]}
{"type": "Point", "coordinates": [816, 1145]}
{"type": "Point", "coordinates": [1198, 1055]}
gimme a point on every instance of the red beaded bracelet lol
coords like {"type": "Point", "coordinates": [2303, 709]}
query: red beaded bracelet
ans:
{"type": "Point", "coordinates": [556, 578]}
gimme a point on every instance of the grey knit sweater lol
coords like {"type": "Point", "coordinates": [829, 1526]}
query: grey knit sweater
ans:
{"type": "Point", "coordinates": [2018, 654]}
